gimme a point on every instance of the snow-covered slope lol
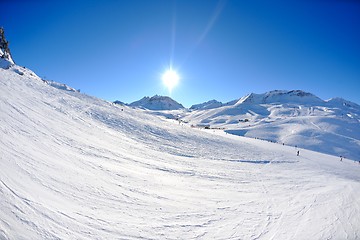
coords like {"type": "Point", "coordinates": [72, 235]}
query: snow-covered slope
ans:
{"type": "Point", "coordinates": [5, 62]}
{"type": "Point", "coordinates": [61, 86]}
{"type": "Point", "coordinates": [76, 167]}
{"type": "Point", "coordinates": [157, 103]}
{"type": "Point", "coordinates": [290, 117]}
{"type": "Point", "coordinates": [280, 96]}
{"type": "Point", "coordinates": [207, 105]}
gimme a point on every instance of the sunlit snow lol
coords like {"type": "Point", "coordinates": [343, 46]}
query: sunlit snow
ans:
{"type": "Point", "coordinates": [77, 167]}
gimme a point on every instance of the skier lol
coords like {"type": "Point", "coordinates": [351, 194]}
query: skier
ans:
{"type": "Point", "coordinates": [298, 153]}
{"type": "Point", "coordinates": [341, 158]}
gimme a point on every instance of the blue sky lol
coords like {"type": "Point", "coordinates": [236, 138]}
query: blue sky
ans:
{"type": "Point", "coordinates": [118, 50]}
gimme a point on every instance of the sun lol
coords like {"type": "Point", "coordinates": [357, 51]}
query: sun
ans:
{"type": "Point", "coordinates": [170, 79]}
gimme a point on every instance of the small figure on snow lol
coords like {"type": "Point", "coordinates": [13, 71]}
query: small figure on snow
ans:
{"type": "Point", "coordinates": [298, 153]}
{"type": "Point", "coordinates": [341, 158]}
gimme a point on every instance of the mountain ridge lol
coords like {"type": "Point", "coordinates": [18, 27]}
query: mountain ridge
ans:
{"type": "Point", "coordinates": [295, 118]}
{"type": "Point", "coordinates": [273, 96]}
{"type": "Point", "coordinates": [157, 102]}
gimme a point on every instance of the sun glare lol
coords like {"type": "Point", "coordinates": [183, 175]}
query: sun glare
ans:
{"type": "Point", "coordinates": [170, 79]}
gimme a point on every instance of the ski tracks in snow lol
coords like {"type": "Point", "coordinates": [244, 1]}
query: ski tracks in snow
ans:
{"type": "Point", "coordinates": [73, 166]}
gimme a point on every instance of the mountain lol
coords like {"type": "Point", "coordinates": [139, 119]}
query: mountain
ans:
{"type": "Point", "coordinates": [206, 105]}
{"type": "Point", "coordinates": [280, 96]}
{"type": "Point", "coordinates": [290, 117]}
{"type": "Point", "coordinates": [157, 103]}
{"type": "Point", "coordinates": [75, 166]}
{"type": "Point", "coordinates": [119, 102]}
{"type": "Point", "coordinates": [342, 103]}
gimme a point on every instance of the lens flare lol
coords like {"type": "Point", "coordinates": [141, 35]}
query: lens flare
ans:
{"type": "Point", "coordinates": [170, 79]}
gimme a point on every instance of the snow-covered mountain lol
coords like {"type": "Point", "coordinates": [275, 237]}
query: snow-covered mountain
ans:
{"type": "Point", "coordinates": [290, 117]}
{"type": "Point", "coordinates": [157, 103]}
{"type": "Point", "coordinates": [207, 105]}
{"type": "Point", "coordinates": [280, 96]}
{"type": "Point", "coordinates": [74, 166]}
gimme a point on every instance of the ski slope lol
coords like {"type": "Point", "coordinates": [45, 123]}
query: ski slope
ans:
{"type": "Point", "coordinates": [76, 167]}
{"type": "Point", "coordinates": [295, 118]}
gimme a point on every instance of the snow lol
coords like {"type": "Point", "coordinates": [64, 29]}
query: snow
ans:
{"type": "Point", "coordinates": [295, 118]}
{"type": "Point", "coordinates": [5, 63]}
{"type": "Point", "coordinates": [280, 96]}
{"type": "Point", "coordinates": [5, 56]}
{"type": "Point", "coordinates": [61, 86]}
{"type": "Point", "coordinates": [207, 105]}
{"type": "Point", "coordinates": [157, 103]}
{"type": "Point", "coordinates": [74, 166]}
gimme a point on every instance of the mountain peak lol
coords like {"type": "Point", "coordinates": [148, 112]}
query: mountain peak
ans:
{"type": "Point", "coordinates": [207, 105]}
{"type": "Point", "coordinates": [157, 102]}
{"type": "Point", "coordinates": [5, 56]}
{"type": "Point", "coordinates": [342, 102]}
{"type": "Point", "coordinates": [285, 96]}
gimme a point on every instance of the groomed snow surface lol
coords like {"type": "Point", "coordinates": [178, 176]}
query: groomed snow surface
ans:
{"type": "Point", "coordinates": [76, 167]}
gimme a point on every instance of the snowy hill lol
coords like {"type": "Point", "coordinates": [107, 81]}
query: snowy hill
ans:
{"type": "Point", "coordinates": [157, 103]}
{"type": "Point", "coordinates": [207, 105]}
{"type": "Point", "coordinates": [74, 166]}
{"type": "Point", "coordinates": [289, 117]}
{"type": "Point", "coordinates": [280, 96]}
{"type": "Point", "coordinates": [342, 103]}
